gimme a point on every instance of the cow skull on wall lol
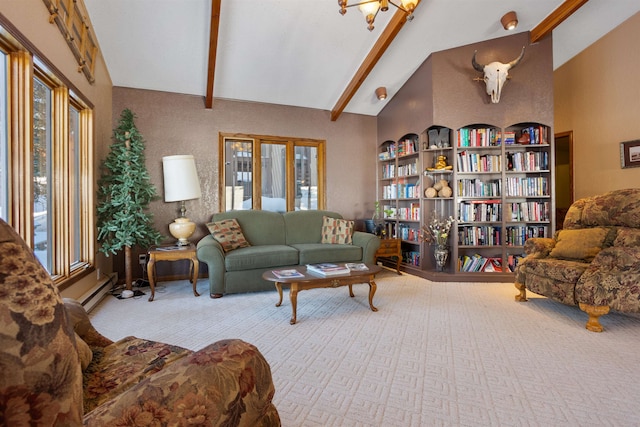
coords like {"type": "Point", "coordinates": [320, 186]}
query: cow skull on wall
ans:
{"type": "Point", "coordinates": [495, 75]}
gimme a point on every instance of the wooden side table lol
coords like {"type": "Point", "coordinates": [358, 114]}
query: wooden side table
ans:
{"type": "Point", "coordinates": [390, 248]}
{"type": "Point", "coordinates": [172, 253]}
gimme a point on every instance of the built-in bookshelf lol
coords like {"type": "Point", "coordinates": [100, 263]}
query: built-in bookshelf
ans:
{"type": "Point", "coordinates": [438, 183]}
{"type": "Point", "coordinates": [501, 156]}
{"type": "Point", "coordinates": [503, 195]}
{"type": "Point", "coordinates": [400, 167]}
{"type": "Point", "coordinates": [495, 182]}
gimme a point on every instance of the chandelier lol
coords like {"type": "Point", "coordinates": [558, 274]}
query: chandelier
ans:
{"type": "Point", "coordinates": [370, 8]}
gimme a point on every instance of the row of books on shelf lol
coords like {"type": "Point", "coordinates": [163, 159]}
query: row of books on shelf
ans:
{"type": "Point", "coordinates": [480, 210]}
{"type": "Point", "coordinates": [518, 234]}
{"type": "Point", "coordinates": [536, 134]}
{"type": "Point", "coordinates": [406, 232]}
{"type": "Point", "coordinates": [411, 213]}
{"type": "Point", "coordinates": [530, 161]}
{"type": "Point", "coordinates": [479, 263]}
{"type": "Point", "coordinates": [411, 258]}
{"type": "Point", "coordinates": [408, 146]}
{"type": "Point", "coordinates": [408, 169]}
{"type": "Point", "coordinates": [476, 162]}
{"type": "Point", "coordinates": [402, 148]}
{"type": "Point", "coordinates": [322, 269]}
{"type": "Point", "coordinates": [528, 211]}
{"type": "Point", "coordinates": [479, 235]}
{"type": "Point", "coordinates": [488, 137]}
{"type": "Point", "coordinates": [481, 137]}
{"type": "Point", "coordinates": [389, 170]}
{"type": "Point", "coordinates": [533, 186]}
{"type": "Point", "coordinates": [478, 188]}
{"type": "Point", "coordinates": [401, 191]}
{"type": "Point", "coordinates": [488, 235]}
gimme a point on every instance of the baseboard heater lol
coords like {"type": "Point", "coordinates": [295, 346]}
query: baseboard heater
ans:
{"type": "Point", "coordinates": [92, 297]}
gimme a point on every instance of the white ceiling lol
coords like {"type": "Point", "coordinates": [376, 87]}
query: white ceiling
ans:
{"type": "Point", "coordinates": [303, 52]}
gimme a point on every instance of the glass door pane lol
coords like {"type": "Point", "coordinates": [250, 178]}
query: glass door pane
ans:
{"type": "Point", "coordinates": [238, 174]}
{"type": "Point", "coordinates": [274, 177]}
{"type": "Point", "coordinates": [306, 173]}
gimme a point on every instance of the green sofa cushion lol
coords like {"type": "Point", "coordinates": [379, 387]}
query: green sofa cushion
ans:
{"type": "Point", "coordinates": [264, 256]}
{"type": "Point", "coordinates": [258, 227]}
{"type": "Point", "coordinates": [305, 226]}
{"type": "Point", "coordinates": [313, 253]}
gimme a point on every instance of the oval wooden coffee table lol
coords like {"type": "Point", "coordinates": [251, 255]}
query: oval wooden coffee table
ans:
{"type": "Point", "coordinates": [311, 281]}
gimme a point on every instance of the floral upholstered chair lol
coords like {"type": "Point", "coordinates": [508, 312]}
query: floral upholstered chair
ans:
{"type": "Point", "coordinates": [56, 369]}
{"type": "Point", "coordinates": [593, 262]}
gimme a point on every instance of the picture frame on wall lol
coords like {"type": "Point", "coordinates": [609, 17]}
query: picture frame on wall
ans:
{"type": "Point", "coordinates": [630, 154]}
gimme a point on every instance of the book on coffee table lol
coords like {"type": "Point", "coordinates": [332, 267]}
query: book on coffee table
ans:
{"type": "Point", "coordinates": [356, 266]}
{"type": "Point", "coordinates": [327, 269]}
{"type": "Point", "coordinates": [287, 274]}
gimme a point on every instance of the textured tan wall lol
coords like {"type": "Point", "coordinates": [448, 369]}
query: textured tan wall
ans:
{"type": "Point", "coordinates": [443, 92]}
{"type": "Point", "coordinates": [597, 96]}
{"type": "Point", "coordinates": [31, 19]}
{"type": "Point", "coordinates": [179, 124]}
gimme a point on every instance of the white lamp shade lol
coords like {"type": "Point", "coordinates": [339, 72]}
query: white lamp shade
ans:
{"type": "Point", "coordinates": [180, 178]}
{"type": "Point", "coordinates": [369, 8]}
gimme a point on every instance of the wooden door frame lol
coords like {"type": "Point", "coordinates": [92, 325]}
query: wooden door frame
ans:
{"type": "Point", "coordinates": [569, 135]}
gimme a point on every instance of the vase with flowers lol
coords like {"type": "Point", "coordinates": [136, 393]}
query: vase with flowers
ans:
{"type": "Point", "coordinates": [436, 232]}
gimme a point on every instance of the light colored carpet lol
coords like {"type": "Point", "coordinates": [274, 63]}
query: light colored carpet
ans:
{"type": "Point", "coordinates": [463, 354]}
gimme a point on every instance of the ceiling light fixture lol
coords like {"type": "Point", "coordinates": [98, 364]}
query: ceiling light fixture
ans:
{"type": "Point", "coordinates": [370, 8]}
{"type": "Point", "coordinates": [381, 93]}
{"type": "Point", "coordinates": [509, 21]}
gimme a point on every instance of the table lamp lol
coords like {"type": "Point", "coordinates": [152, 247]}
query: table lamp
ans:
{"type": "Point", "coordinates": [181, 183]}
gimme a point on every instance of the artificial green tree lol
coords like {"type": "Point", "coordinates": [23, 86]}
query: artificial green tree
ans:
{"type": "Point", "coordinates": [124, 194]}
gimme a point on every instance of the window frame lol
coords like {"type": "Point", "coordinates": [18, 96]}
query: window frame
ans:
{"type": "Point", "coordinates": [258, 141]}
{"type": "Point", "coordinates": [4, 146]}
{"type": "Point", "coordinates": [25, 64]}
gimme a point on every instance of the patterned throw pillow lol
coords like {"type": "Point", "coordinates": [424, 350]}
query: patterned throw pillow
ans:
{"type": "Point", "coordinates": [336, 230]}
{"type": "Point", "coordinates": [228, 233]}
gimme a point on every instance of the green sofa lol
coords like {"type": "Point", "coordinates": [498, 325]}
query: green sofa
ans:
{"type": "Point", "coordinates": [277, 241]}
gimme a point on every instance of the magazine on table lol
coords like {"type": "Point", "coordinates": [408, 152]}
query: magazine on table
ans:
{"type": "Point", "coordinates": [327, 269]}
{"type": "Point", "coordinates": [356, 266]}
{"type": "Point", "coordinates": [287, 274]}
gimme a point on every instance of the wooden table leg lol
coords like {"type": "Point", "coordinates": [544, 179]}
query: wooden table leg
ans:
{"type": "Point", "coordinates": [351, 291]}
{"type": "Point", "coordinates": [279, 288]}
{"type": "Point", "coordinates": [293, 296]}
{"type": "Point", "coordinates": [195, 265]}
{"type": "Point", "coordinates": [151, 270]}
{"type": "Point", "coordinates": [372, 292]}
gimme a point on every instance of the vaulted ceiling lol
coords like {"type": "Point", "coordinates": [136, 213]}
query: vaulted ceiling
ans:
{"type": "Point", "coordinates": [304, 53]}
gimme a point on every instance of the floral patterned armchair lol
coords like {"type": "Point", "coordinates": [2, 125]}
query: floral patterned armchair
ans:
{"type": "Point", "coordinates": [593, 262]}
{"type": "Point", "coordinates": [58, 370]}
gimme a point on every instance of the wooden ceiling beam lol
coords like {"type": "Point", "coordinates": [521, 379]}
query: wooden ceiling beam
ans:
{"type": "Point", "coordinates": [213, 51]}
{"type": "Point", "coordinates": [555, 18]}
{"type": "Point", "coordinates": [390, 32]}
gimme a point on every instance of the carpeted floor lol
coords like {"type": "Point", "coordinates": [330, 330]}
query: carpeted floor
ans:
{"type": "Point", "coordinates": [463, 354]}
